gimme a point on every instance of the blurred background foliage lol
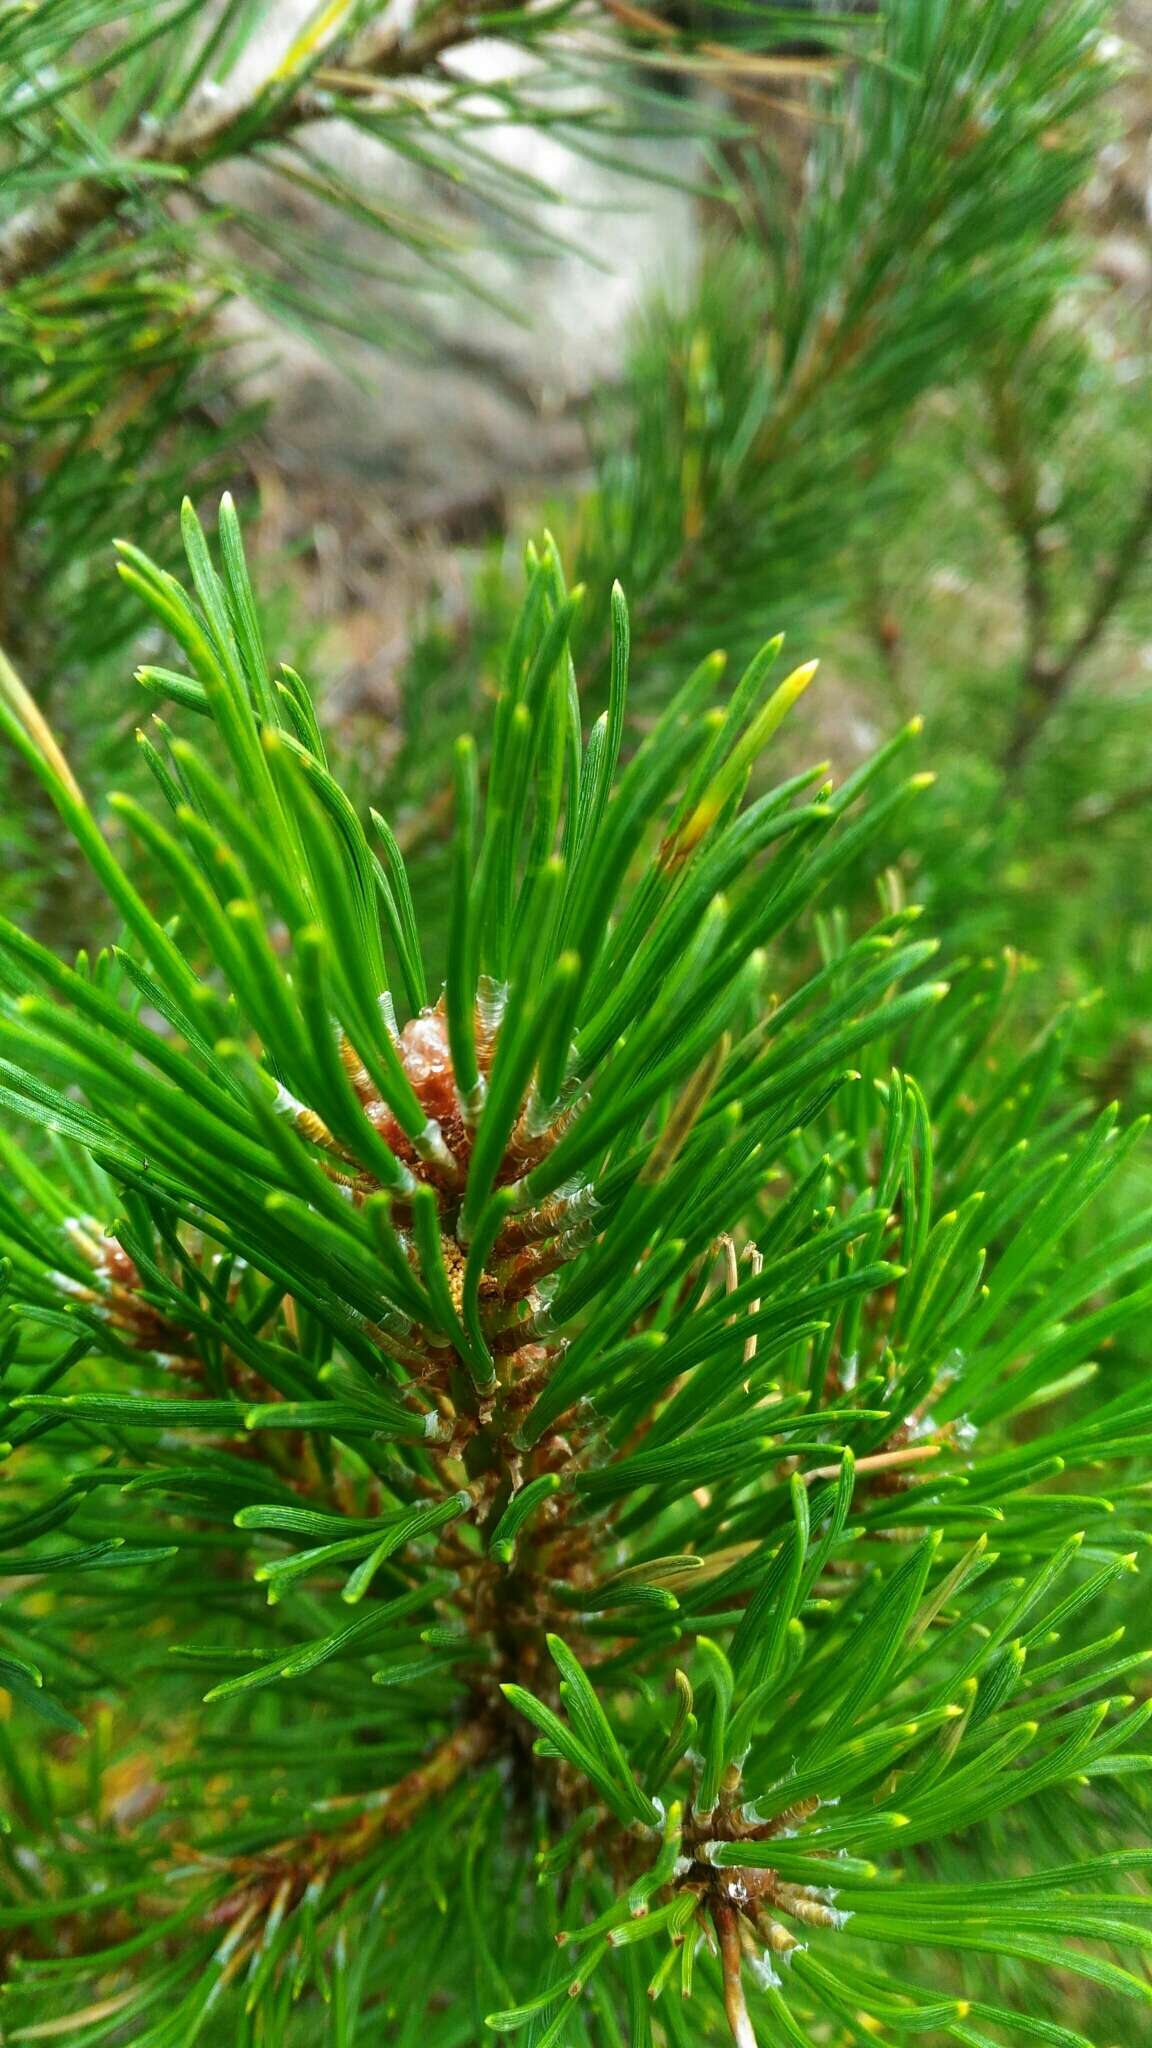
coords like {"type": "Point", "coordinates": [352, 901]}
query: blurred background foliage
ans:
{"type": "Point", "coordinates": [827, 319]}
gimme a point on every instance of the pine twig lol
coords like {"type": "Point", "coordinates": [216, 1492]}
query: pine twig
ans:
{"type": "Point", "coordinates": [735, 2009]}
{"type": "Point", "coordinates": [391, 1811]}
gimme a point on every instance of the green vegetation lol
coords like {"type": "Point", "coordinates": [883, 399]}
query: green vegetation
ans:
{"type": "Point", "coordinates": [574, 1401]}
{"type": "Point", "coordinates": [624, 1314]}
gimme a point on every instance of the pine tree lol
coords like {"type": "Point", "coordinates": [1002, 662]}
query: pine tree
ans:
{"type": "Point", "coordinates": [691, 1450]}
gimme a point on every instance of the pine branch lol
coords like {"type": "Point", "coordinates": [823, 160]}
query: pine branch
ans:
{"type": "Point", "coordinates": [1017, 461]}
{"type": "Point", "coordinates": [340, 73]}
{"type": "Point", "coordinates": [217, 128]}
{"type": "Point", "coordinates": [925, 231]}
{"type": "Point", "coordinates": [281, 1875]}
{"type": "Point", "coordinates": [613, 1391]}
{"type": "Point", "coordinates": [1050, 672]}
{"type": "Point", "coordinates": [1049, 669]}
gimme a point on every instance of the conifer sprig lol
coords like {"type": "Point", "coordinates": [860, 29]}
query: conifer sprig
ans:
{"type": "Point", "coordinates": [602, 1454]}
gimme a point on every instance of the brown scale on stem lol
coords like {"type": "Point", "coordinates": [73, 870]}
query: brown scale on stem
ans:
{"type": "Point", "coordinates": [276, 1880]}
{"type": "Point", "coordinates": [116, 1292]}
{"type": "Point", "coordinates": [530, 1248]}
{"type": "Point", "coordinates": [740, 1908]}
{"type": "Point", "coordinates": [510, 1606]}
{"type": "Point", "coordinates": [426, 1056]}
{"type": "Point", "coordinates": [742, 1904]}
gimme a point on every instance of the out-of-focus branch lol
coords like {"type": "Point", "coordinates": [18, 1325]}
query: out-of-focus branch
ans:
{"type": "Point", "coordinates": [211, 130]}
{"type": "Point", "coordinates": [725, 57]}
{"type": "Point", "coordinates": [214, 129]}
{"type": "Point", "coordinates": [1020, 503]}
{"type": "Point", "coordinates": [385, 1813]}
{"type": "Point", "coordinates": [1101, 810]}
{"type": "Point", "coordinates": [1050, 670]}
{"type": "Point", "coordinates": [1111, 585]}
